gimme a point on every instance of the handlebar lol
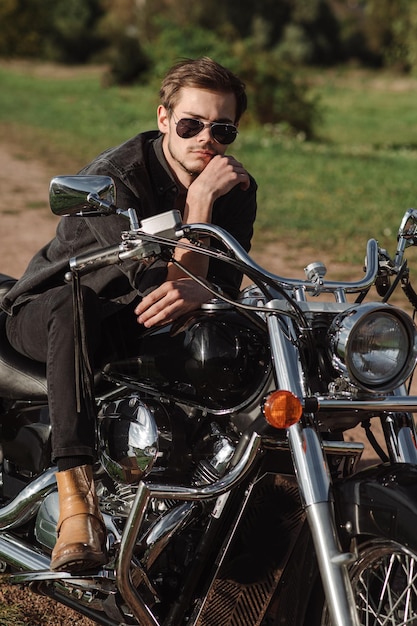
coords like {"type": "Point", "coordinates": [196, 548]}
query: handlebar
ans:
{"type": "Point", "coordinates": [287, 283]}
{"type": "Point", "coordinates": [95, 195]}
{"type": "Point", "coordinates": [142, 246]}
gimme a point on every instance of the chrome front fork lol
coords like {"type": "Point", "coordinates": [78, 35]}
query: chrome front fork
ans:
{"type": "Point", "coordinates": [400, 434]}
{"type": "Point", "coordinates": [314, 486]}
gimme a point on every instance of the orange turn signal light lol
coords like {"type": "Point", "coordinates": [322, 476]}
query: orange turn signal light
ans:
{"type": "Point", "coordinates": [282, 409]}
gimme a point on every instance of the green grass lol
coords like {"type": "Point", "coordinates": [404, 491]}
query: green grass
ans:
{"type": "Point", "coordinates": [77, 115]}
{"type": "Point", "coordinates": [327, 196]}
{"type": "Point", "coordinates": [352, 183]}
{"type": "Point", "coordinates": [368, 108]}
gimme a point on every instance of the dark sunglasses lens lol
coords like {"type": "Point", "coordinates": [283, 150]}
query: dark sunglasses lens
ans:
{"type": "Point", "coordinates": [189, 128]}
{"type": "Point", "coordinates": [224, 133]}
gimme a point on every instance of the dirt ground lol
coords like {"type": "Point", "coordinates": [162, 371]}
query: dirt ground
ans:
{"type": "Point", "coordinates": [26, 223]}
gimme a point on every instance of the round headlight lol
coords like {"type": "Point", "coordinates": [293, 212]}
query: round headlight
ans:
{"type": "Point", "coordinates": [375, 345]}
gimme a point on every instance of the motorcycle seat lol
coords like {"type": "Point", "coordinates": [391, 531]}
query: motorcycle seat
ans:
{"type": "Point", "coordinates": [20, 377]}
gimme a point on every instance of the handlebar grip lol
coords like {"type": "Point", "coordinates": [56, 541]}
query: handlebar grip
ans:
{"type": "Point", "coordinates": [96, 259]}
{"type": "Point", "coordinates": [113, 255]}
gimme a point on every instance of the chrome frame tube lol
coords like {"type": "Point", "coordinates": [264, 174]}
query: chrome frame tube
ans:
{"type": "Point", "coordinates": [400, 438]}
{"type": "Point", "coordinates": [145, 492]}
{"type": "Point", "coordinates": [376, 405]}
{"type": "Point", "coordinates": [407, 446]}
{"type": "Point", "coordinates": [390, 437]}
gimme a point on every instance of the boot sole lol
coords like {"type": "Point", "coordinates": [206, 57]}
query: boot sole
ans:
{"type": "Point", "coordinates": [83, 563]}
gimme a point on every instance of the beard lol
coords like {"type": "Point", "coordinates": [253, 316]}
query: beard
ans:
{"type": "Point", "coordinates": [192, 166]}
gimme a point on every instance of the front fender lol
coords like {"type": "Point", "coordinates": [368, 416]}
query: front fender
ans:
{"type": "Point", "coordinates": [379, 501]}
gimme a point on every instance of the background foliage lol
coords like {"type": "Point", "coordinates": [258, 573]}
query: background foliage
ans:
{"type": "Point", "coordinates": [264, 41]}
{"type": "Point", "coordinates": [353, 181]}
{"type": "Point", "coordinates": [331, 131]}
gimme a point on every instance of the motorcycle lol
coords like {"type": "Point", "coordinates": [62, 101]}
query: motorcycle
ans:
{"type": "Point", "coordinates": [229, 493]}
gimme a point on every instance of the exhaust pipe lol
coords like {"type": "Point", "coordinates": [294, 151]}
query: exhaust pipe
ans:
{"type": "Point", "coordinates": [14, 551]}
{"type": "Point", "coordinates": [21, 556]}
{"type": "Point", "coordinates": [23, 506]}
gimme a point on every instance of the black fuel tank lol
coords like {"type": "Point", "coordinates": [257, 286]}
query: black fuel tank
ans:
{"type": "Point", "coordinates": [217, 359]}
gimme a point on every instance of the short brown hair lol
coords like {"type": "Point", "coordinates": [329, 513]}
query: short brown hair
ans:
{"type": "Point", "coordinates": [203, 73]}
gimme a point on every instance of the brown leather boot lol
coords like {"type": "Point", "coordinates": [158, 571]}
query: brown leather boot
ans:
{"type": "Point", "coordinates": [81, 531]}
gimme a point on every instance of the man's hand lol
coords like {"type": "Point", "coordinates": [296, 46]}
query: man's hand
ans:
{"type": "Point", "coordinates": [169, 301]}
{"type": "Point", "coordinates": [220, 175]}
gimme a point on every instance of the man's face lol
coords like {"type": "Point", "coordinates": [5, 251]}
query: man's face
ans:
{"type": "Point", "coordinates": [189, 157]}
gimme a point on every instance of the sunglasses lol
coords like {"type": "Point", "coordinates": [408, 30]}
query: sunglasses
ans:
{"type": "Point", "coordinates": [222, 133]}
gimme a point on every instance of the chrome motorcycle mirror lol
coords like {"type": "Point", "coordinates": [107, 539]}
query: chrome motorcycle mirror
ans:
{"type": "Point", "coordinates": [82, 195]}
{"type": "Point", "coordinates": [408, 227]}
{"type": "Point", "coordinates": [407, 234]}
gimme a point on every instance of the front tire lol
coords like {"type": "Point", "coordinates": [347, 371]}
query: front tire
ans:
{"type": "Point", "coordinates": [384, 582]}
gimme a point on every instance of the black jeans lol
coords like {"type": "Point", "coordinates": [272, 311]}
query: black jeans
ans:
{"type": "Point", "coordinates": [43, 330]}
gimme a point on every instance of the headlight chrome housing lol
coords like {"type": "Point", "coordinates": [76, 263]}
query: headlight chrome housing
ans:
{"type": "Point", "coordinates": [374, 345]}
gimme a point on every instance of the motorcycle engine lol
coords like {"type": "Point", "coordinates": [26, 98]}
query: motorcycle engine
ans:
{"type": "Point", "coordinates": [133, 436]}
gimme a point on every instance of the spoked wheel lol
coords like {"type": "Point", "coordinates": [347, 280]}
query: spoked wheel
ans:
{"type": "Point", "coordinates": [384, 582]}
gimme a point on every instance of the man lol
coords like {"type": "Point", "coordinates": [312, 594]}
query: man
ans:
{"type": "Point", "coordinates": [183, 165]}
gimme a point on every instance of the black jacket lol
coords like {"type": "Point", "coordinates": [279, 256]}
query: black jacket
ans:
{"type": "Point", "coordinates": [144, 182]}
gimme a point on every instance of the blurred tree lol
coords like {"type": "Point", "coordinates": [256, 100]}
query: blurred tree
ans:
{"type": "Point", "coordinates": [378, 32]}
{"type": "Point", "coordinates": [73, 36]}
{"type": "Point", "coordinates": [22, 26]}
{"type": "Point", "coordinates": [391, 29]}
{"type": "Point", "coordinates": [245, 15]}
{"type": "Point", "coordinates": [127, 61]}
{"type": "Point", "coordinates": [353, 43]}
{"type": "Point", "coordinates": [59, 30]}
{"type": "Point", "coordinates": [276, 96]}
{"type": "Point", "coordinates": [125, 55]}
{"type": "Point", "coordinates": [172, 29]}
{"type": "Point", "coordinates": [139, 39]}
{"type": "Point", "coordinates": [321, 29]}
